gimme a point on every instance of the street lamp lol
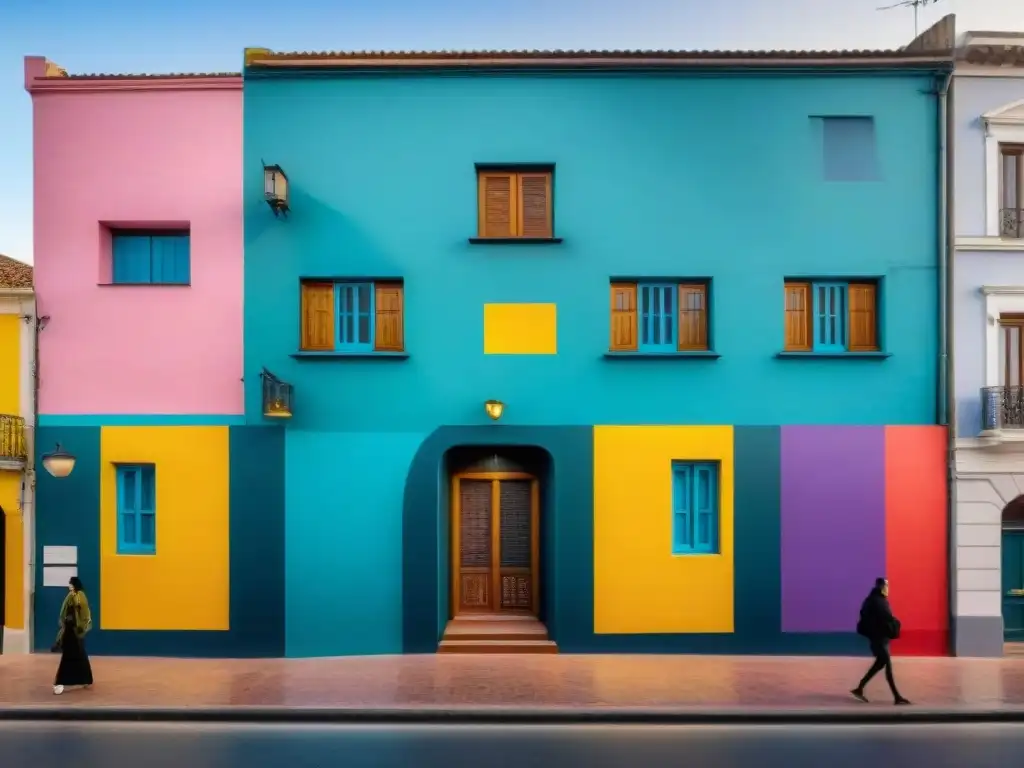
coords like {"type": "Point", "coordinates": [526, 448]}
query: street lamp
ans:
{"type": "Point", "coordinates": [275, 188]}
{"type": "Point", "coordinates": [494, 408]}
{"type": "Point", "coordinates": [60, 463]}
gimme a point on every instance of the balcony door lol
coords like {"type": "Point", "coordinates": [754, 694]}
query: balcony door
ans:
{"type": "Point", "coordinates": [1011, 183]}
{"type": "Point", "coordinates": [1011, 350]}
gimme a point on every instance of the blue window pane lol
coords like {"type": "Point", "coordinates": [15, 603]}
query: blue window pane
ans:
{"type": "Point", "coordinates": [128, 490]}
{"type": "Point", "coordinates": [830, 313]}
{"type": "Point", "coordinates": [657, 317]}
{"type": "Point", "coordinates": [147, 489]}
{"type": "Point", "coordinates": [849, 149]}
{"type": "Point", "coordinates": [170, 255]}
{"type": "Point", "coordinates": [355, 316]}
{"type": "Point", "coordinates": [128, 533]}
{"type": "Point", "coordinates": [131, 261]}
{"type": "Point", "coordinates": [147, 530]}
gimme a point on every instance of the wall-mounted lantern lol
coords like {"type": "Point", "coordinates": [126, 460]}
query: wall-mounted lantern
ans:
{"type": "Point", "coordinates": [277, 397]}
{"type": "Point", "coordinates": [494, 408]}
{"type": "Point", "coordinates": [275, 188]}
{"type": "Point", "coordinates": [60, 463]}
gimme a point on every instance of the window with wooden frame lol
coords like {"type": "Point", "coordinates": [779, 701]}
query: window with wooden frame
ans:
{"type": "Point", "coordinates": [695, 508]}
{"type": "Point", "coordinates": [1011, 350]}
{"type": "Point", "coordinates": [352, 316]}
{"type": "Point", "coordinates": [831, 316]}
{"type": "Point", "coordinates": [659, 316]}
{"type": "Point", "coordinates": [1011, 190]}
{"type": "Point", "coordinates": [514, 203]}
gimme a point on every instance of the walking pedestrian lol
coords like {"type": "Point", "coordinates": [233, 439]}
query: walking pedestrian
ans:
{"type": "Point", "coordinates": [879, 626]}
{"type": "Point", "coordinates": [75, 622]}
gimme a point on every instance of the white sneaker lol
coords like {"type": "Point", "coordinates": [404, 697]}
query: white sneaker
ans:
{"type": "Point", "coordinates": [58, 690]}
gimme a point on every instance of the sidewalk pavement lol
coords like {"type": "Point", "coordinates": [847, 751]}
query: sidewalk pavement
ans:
{"type": "Point", "coordinates": [524, 688]}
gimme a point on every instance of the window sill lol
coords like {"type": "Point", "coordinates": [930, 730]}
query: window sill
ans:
{"type": "Point", "coordinates": [350, 355]}
{"type": "Point", "coordinates": [692, 355]}
{"type": "Point", "coordinates": [136, 553]}
{"type": "Point", "coordinates": [144, 285]}
{"type": "Point", "coordinates": [515, 240]}
{"type": "Point", "coordinates": [833, 355]}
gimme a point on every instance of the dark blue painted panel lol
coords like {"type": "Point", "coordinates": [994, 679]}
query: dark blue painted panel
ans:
{"type": "Point", "coordinates": [257, 541]}
{"type": "Point", "coordinates": [68, 514]}
{"type": "Point", "coordinates": [757, 532]}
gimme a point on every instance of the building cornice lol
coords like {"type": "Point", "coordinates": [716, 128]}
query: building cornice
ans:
{"type": "Point", "coordinates": [999, 244]}
{"type": "Point", "coordinates": [43, 76]}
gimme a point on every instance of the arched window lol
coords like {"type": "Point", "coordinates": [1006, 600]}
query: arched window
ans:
{"type": "Point", "coordinates": [1013, 513]}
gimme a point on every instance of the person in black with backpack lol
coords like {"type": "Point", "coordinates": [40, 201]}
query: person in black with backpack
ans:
{"type": "Point", "coordinates": [879, 626]}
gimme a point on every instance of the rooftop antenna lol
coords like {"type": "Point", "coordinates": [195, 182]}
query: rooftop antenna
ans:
{"type": "Point", "coordinates": [915, 4]}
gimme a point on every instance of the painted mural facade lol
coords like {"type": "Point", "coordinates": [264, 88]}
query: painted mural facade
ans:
{"type": "Point", "coordinates": [728, 413]}
{"type": "Point", "coordinates": [988, 303]}
{"type": "Point", "coordinates": [830, 466]}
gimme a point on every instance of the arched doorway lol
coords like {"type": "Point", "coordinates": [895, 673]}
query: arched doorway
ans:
{"type": "Point", "coordinates": [1013, 571]}
{"type": "Point", "coordinates": [496, 531]}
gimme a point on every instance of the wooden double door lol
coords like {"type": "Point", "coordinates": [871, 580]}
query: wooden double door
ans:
{"type": "Point", "coordinates": [495, 545]}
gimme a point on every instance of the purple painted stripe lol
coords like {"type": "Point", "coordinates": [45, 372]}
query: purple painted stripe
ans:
{"type": "Point", "coordinates": [833, 524]}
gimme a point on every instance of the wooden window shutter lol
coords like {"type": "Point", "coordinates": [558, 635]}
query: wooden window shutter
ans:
{"type": "Point", "coordinates": [798, 317]}
{"type": "Point", "coordinates": [388, 323]}
{"type": "Point", "coordinates": [498, 201]}
{"type": "Point", "coordinates": [317, 316]}
{"type": "Point", "coordinates": [535, 205]}
{"type": "Point", "coordinates": [863, 309]}
{"type": "Point", "coordinates": [693, 317]}
{"type": "Point", "coordinates": [623, 311]}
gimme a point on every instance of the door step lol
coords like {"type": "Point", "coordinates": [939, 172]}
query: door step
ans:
{"type": "Point", "coordinates": [497, 646]}
{"type": "Point", "coordinates": [496, 634]}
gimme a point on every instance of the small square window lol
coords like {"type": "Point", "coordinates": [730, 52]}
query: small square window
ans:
{"type": "Point", "coordinates": [659, 316]}
{"type": "Point", "coordinates": [831, 316]}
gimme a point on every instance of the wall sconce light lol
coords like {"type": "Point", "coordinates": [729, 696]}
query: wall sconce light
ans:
{"type": "Point", "coordinates": [60, 463]}
{"type": "Point", "coordinates": [494, 408]}
{"type": "Point", "coordinates": [275, 188]}
{"type": "Point", "coordinates": [277, 397]}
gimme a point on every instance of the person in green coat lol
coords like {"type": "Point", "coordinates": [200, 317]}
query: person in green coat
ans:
{"type": "Point", "coordinates": [75, 623]}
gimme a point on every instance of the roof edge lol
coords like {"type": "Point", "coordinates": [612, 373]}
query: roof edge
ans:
{"type": "Point", "coordinates": [611, 60]}
{"type": "Point", "coordinates": [43, 75]}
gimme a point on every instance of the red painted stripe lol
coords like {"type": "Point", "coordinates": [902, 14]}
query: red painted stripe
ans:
{"type": "Point", "coordinates": [916, 535]}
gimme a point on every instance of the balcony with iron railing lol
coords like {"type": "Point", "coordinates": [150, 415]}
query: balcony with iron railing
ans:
{"type": "Point", "coordinates": [13, 441]}
{"type": "Point", "coordinates": [1011, 223]}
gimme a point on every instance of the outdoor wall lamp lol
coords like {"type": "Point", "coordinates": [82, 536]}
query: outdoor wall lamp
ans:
{"type": "Point", "coordinates": [60, 463]}
{"type": "Point", "coordinates": [494, 408]}
{"type": "Point", "coordinates": [275, 188]}
{"type": "Point", "coordinates": [277, 397]}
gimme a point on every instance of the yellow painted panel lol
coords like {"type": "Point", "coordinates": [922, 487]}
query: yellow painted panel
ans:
{"type": "Point", "coordinates": [10, 364]}
{"type": "Point", "coordinates": [520, 329]}
{"type": "Point", "coordinates": [14, 548]}
{"type": "Point", "coordinates": [186, 584]}
{"type": "Point", "coordinates": [640, 587]}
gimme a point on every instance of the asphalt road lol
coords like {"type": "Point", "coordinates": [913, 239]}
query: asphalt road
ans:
{"type": "Point", "coordinates": [92, 745]}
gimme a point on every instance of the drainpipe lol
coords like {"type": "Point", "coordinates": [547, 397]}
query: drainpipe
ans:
{"type": "Point", "coordinates": [946, 405]}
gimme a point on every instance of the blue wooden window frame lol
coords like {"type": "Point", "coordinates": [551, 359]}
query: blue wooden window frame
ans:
{"type": "Point", "coordinates": [831, 314]}
{"type": "Point", "coordinates": [136, 509]}
{"type": "Point", "coordinates": [151, 258]}
{"type": "Point", "coordinates": [354, 316]}
{"type": "Point", "coordinates": [657, 317]}
{"type": "Point", "coordinates": [695, 508]}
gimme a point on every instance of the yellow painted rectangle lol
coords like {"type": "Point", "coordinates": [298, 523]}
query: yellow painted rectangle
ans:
{"type": "Point", "coordinates": [186, 584]}
{"type": "Point", "coordinates": [10, 364]}
{"type": "Point", "coordinates": [640, 587]}
{"type": "Point", "coordinates": [14, 548]}
{"type": "Point", "coordinates": [520, 329]}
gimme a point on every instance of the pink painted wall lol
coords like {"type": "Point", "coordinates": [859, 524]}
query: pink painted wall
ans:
{"type": "Point", "coordinates": [159, 157]}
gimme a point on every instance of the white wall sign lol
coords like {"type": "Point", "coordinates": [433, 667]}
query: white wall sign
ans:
{"type": "Point", "coordinates": [60, 556]}
{"type": "Point", "coordinates": [58, 575]}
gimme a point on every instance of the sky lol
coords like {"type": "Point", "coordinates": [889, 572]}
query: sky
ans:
{"type": "Point", "coordinates": [209, 35]}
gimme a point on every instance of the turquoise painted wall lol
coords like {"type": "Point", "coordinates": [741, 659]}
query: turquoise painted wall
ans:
{"type": "Point", "coordinates": [655, 175]}
{"type": "Point", "coordinates": [343, 539]}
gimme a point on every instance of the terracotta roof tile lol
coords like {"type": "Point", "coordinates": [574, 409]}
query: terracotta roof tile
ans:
{"type": "Point", "coordinates": [131, 76]}
{"type": "Point", "coordinates": [14, 274]}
